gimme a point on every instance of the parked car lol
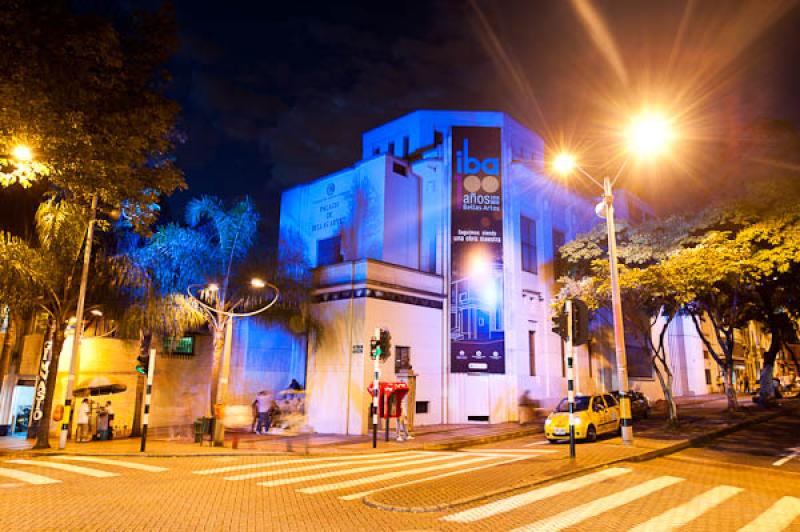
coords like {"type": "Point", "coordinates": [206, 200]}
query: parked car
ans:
{"type": "Point", "coordinates": [640, 404]}
{"type": "Point", "coordinates": [593, 414]}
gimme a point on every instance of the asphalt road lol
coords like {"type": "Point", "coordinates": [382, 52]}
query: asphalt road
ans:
{"type": "Point", "coordinates": [749, 480]}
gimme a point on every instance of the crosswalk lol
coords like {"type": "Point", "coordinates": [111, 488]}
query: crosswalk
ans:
{"type": "Point", "coordinates": [22, 476]}
{"type": "Point", "coordinates": [779, 516]}
{"type": "Point", "coordinates": [352, 477]}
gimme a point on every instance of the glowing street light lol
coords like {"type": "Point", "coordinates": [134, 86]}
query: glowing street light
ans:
{"type": "Point", "coordinates": [213, 287]}
{"type": "Point", "coordinates": [22, 153]}
{"type": "Point", "coordinates": [564, 163]}
{"type": "Point", "coordinates": [648, 135]}
{"type": "Point", "coordinates": [255, 282]}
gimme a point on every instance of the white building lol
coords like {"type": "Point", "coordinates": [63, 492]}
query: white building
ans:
{"type": "Point", "coordinates": [445, 234]}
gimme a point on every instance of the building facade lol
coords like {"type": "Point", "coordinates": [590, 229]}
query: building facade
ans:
{"type": "Point", "coordinates": [445, 233]}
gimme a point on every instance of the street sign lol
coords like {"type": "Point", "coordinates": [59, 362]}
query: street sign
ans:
{"type": "Point", "coordinates": [358, 349]}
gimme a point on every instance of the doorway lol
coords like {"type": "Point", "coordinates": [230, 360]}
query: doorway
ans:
{"type": "Point", "coordinates": [21, 405]}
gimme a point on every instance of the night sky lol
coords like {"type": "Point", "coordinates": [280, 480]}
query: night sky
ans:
{"type": "Point", "coordinates": [276, 94]}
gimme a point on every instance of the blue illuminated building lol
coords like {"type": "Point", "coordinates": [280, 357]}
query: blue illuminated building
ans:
{"type": "Point", "coordinates": [459, 266]}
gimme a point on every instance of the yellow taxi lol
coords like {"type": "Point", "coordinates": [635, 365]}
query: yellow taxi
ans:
{"type": "Point", "coordinates": [594, 415]}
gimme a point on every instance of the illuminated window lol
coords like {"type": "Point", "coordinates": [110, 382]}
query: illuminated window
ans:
{"type": "Point", "coordinates": [527, 238]}
{"type": "Point", "coordinates": [179, 346]}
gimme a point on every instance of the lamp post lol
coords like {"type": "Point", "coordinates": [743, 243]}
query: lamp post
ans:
{"type": "Point", "coordinates": [647, 135]}
{"type": "Point", "coordinates": [220, 311]}
{"type": "Point", "coordinates": [25, 167]}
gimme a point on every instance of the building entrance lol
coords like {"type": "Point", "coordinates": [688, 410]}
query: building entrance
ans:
{"type": "Point", "coordinates": [21, 405]}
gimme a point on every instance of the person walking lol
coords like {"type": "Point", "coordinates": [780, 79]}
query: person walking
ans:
{"type": "Point", "coordinates": [746, 384]}
{"type": "Point", "coordinates": [254, 408]}
{"type": "Point", "coordinates": [402, 422]}
{"type": "Point", "coordinates": [110, 412]}
{"type": "Point", "coordinates": [83, 421]}
{"type": "Point", "coordinates": [262, 406]}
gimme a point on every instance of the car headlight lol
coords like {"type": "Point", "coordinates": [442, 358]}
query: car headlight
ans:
{"type": "Point", "coordinates": [547, 422]}
{"type": "Point", "coordinates": [576, 421]}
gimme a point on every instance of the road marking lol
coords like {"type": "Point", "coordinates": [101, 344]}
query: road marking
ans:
{"type": "Point", "coordinates": [777, 517]}
{"type": "Point", "coordinates": [523, 499]}
{"type": "Point", "coordinates": [795, 452]}
{"type": "Point", "coordinates": [311, 467]}
{"type": "Point", "coordinates": [320, 476]}
{"type": "Point", "coordinates": [510, 451]}
{"type": "Point", "coordinates": [594, 508]}
{"type": "Point", "coordinates": [689, 511]}
{"type": "Point", "coordinates": [24, 476]}
{"type": "Point", "coordinates": [89, 472]}
{"type": "Point", "coordinates": [228, 469]}
{"type": "Point", "coordinates": [362, 494]}
{"type": "Point", "coordinates": [542, 442]}
{"type": "Point", "coordinates": [120, 463]}
{"type": "Point", "coordinates": [389, 476]}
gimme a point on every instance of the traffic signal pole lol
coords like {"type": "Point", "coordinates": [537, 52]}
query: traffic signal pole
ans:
{"type": "Point", "coordinates": [148, 392]}
{"type": "Point", "coordinates": [376, 387]}
{"type": "Point", "coordinates": [570, 352]}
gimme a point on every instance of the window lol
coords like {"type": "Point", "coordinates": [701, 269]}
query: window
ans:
{"type": "Point", "coordinates": [581, 404]}
{"type": "Point", "coordinates": [421, 407]}
{"type": "Point", "coordinates": [558, 264]}
{"type": "Point", "coordinates": [329, 251]}
{"type": "Point", "coordinates": [400, 169]}
{"type": "Point", "coordinates": [402, 358]}
{"type": "Point", "coordinates": [376, 150]}
{"type": "Point", "coordinates": [532, 352]}
{"type": "Point", "coordinates": [390, 151]}
{"type": "Point", "coordinates": [179, 346]}
{"type": "Point", "coordinates": [438, 138]}
{"type": "Point", "coordinates": [527, 238]}
{"type": "Point", "coordinates": [405, 147]}
{"type": "Point", "coordinates": [598, 405]}
{"type": "Point", "coordinates": [708, 377]}
{"type": "Point", "coordinates": [610, 401]}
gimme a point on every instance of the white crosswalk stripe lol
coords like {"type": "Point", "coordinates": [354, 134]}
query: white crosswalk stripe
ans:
{"type": "Point", "coordinates": [680, 515]}
{"type": "Point", "coordinates": [89, 472]}
{"type": "Point", "coordinates": [777, 517]}
{"type": "Point", "coordinates": [391, 476]}
{"type": "Point", "coordinates": [312, 467]}
{"type": "Point", "coordinates": [258, 465]}
{"type": "Point", "coordinates": [28, 478]}
{"type": "Point", "coordinates": [529, 452]}
{"type": "Point", "coordinates": [362, 494]}
{"type": "Point", "coordinates": [356, 470]}
{"type": "Point", "coordinates": [580, 513]}
{"type": "Point", "coordinates": [518, 501]}
{"type": "Point", "coordinates": [119, 463]}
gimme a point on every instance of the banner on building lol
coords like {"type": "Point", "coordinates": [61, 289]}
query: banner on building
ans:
{"type": "Point", "coordinates": [477, 339]}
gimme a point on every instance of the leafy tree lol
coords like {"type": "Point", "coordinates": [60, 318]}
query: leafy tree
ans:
{"type": "Point", "coordinates": [86, 93]}
{"type": "Point", "coordinates": [648, 300]}
{"type": "Point", "coordinates": [47, 272]}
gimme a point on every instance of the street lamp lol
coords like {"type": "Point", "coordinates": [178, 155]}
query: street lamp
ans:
{"type": "Point", "coordinates": [24, 167]}
{"type": "Point", "coordinates": [647, 135]}
{"type": "Point", "coordinates": [220, 311]}
{"type": "Point", "coordinates": [22, 153]}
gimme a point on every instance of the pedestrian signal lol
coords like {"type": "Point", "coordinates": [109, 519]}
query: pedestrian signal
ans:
{"type": "Point", "coordinates": [143, 365]}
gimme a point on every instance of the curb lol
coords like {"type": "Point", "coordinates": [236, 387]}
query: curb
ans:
{"type": "Point", "coordinates": [480, 440]}
{"type": "Point", "coordinates": [648, 455]}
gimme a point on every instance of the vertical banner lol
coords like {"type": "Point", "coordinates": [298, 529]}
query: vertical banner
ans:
{"type": "Point", "coordinates": [477, 339]}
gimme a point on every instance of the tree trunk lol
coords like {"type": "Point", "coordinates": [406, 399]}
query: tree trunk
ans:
{"type": "Point", "coordinates": [730, 392]}
{"type": "Point", "coordinates": [43, 434]}
{"type": "Point", "coordinates": [666, 388]}
{"type": "Point", "coordinates": [766, 391]}
{"type": "Point", "coordinates": [136, 426]}
{"type": "Point", "coordinates": [219, 344]}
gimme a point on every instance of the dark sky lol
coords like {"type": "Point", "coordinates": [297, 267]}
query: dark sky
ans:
{"type": "Point", "coordinates": [277, 93]}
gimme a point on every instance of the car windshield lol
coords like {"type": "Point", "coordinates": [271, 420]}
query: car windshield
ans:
{"type": "Point", "coordinates": [581, 403]}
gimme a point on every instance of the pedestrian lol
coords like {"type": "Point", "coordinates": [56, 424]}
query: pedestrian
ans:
{"type": "Point", "coordinates": [254, 409]}
{"type": "Point", "coordinates": [402, 422]}
{"type": "Point", "coordinates": [262, 406]}
{"type": "Point", "coordinates": [83, 421]}
{"type": "Point", "coordinates": [746, 384]}
{"type": "Point", "coordinates": [110, 412]}
{"type": "Point", "coordinates": [273, 413]}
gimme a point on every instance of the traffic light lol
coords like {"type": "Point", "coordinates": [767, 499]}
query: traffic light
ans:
{"type": "Point", "coordinates": [144, 364]}
{"type": "Point", "coordinates": [373, 348]}
{"type": "Point", "coordinates": [385, 344]}
{"type": "Point", "coordinates": [560, 324]}
{"type": "Point", "coordinates": [580, 322]}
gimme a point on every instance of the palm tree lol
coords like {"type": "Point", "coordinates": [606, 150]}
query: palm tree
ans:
{"type": "Point", "coordinates": [44, 275]}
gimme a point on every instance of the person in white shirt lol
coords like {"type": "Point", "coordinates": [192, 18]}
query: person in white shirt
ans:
{"type": "Point", "coordinates": [83, 421]}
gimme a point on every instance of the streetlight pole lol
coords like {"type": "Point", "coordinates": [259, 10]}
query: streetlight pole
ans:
{"type": "Point", "coordinates": [74, 365]}
{"type": "Point", "coordinates": [616, 307]}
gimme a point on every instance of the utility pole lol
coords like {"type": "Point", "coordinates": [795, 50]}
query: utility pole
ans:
{"type": "Point", "coordinates": [74, 364]}
{"type": "Point", "coordinates": [151, 368]}
{"type": "Point", "coordinates": [375, 351]}
{"type": "Point", "coordinates": [570, 352]}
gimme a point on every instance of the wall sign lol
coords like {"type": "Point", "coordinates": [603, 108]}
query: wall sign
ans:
{"type": "Point", "coordinates": [40, 392]}
{"type": "Point", "coordinates": [477, 337]}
